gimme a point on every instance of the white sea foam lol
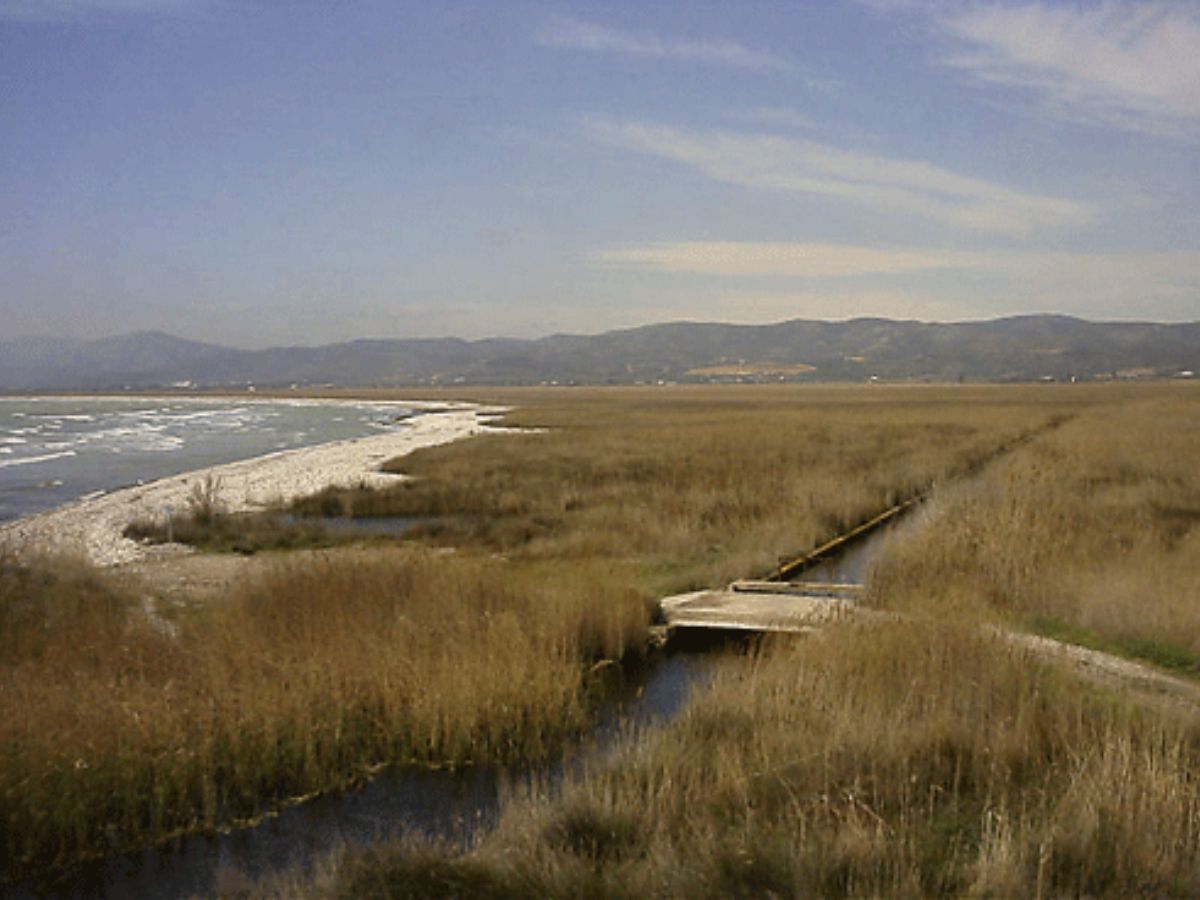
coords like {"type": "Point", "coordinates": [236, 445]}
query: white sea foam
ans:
{"type": "Point", "coordinates": [29, 460]}
{"type": "Point", "coordinates": [140, 437]}
{"type": "Point", "coordinates": [160, 436]}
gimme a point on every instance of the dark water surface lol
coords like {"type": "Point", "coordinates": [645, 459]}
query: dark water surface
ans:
{"type": "Point", "coordinates": [851, 564]}
{"type": "Point", "coordinates": [455, 805]}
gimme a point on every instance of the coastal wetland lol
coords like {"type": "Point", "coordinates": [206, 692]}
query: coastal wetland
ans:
{"type": "Point", "coordinates": [930, 755]}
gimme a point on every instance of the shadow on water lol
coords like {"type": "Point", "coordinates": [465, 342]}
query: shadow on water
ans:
{"type": "Point", "coordinates": [455, 805]}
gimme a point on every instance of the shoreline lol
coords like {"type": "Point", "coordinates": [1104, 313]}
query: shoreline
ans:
{"type": "Point", "coordinates": [93, 528]}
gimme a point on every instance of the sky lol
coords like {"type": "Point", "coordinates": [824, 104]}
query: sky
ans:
{"type": "Point", "coordinates": [260, 173]}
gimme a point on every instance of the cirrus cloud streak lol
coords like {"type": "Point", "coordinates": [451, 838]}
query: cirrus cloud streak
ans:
{"type": "Point", "coordinates": [791, 165]}
{"type": "Point", "coordinates": [755, 259]}
{"type": "Point", "coordinates": [1134, 66]}
{"type": "Point", "coordinates": [1115, 285]}
{"type": "Point", "coordinates": [839, 280]}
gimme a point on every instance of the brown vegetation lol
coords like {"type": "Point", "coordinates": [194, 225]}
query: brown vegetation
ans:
{"type": "Point", "coordinates": [684, 488]}
{"type": "Point", "coordinates": [1091, 533]}
{"type": "Point", "coordinates": [909, 760]}
{"type": "Point", "coordinates": [928, 756]}
{"type": "Point", "coordinates": [115, 730]}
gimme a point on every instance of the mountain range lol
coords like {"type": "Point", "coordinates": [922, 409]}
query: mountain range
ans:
{"type": "Point", "coordinates": [1010, 349]}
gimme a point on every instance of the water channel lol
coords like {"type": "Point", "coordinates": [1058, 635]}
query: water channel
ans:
{"type": "Point", "coordinates": [457, 805]}
{"type": "Point", "coordinates": [454, 805]}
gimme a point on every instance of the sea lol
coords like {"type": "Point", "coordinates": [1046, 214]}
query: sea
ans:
{"type": "Point", "coordinates": [56, 450]}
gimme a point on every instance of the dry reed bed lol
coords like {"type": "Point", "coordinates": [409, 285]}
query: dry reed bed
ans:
{"type": "Point", "coordinates": [914, 760]}
{"type": "Point", "coordinates": [923, 758]}
{"type": "Point", "coordinates": [681, 489]}
{"type": "Point", "coordinates": [1093, 531]}
{"type": "Point", "coordinates": [113, 732]}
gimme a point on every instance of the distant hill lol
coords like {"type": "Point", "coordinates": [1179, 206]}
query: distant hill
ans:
{"type": "Point", "coordinates": [1020, 348]}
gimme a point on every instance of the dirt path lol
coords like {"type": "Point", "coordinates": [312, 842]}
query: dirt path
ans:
{"type": "Point", "coordinates": [1111, 671]}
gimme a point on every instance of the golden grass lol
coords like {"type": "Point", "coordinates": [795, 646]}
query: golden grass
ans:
{"type": "Point", "coordinates": [920, 757]}
{"type": "Point", "coordinates": [114, 732]}
{"type": "Point", "coordinates": [679, 489]}
{"type": "Point", "coordinates": [910, 760]}
{"type": "Point", "coordinates": [1096, 526]}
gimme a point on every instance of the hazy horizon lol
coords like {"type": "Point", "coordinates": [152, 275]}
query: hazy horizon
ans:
{"type": "Point", "coordinates": [501, 337]}
{"type": "Point", "coordinates": [251, 175]}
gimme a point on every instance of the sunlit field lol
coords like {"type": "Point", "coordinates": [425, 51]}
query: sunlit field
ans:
{"type": "Point", "coordinates": [920, 755]}
{"type": "Point", "coordinates": [690, 487]}
{"type": "Point", "coordinates": [1090, 533]}
{"type": "Point", "coordinates": [897, 759]}
{"type": "Point", "coordinates": [910, 760]}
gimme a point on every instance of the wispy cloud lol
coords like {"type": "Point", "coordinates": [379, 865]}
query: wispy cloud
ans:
{"type": "Point", "coordinates": [577, 35]}
{"type": "Point", "coordinates": [1130, 65]}
{"type": "Point", "coordinates": [1114, 285]}
{"type": "Point", "coordinates": [781, 164]}
{"type": "Point", "coordinates": [751, 307]}
{"type": "Point", "coordinates": [80, 10]}
{"type": "Point", "coordinates": [759, 259]}
{"type": "Point", "coordinates": [1180, 269]}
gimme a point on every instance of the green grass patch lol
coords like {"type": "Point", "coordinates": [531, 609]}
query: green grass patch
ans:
{"type": "Point", "coordinates": [1173, 658]}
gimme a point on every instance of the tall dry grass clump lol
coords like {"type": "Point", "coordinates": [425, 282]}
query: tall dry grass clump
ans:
{"type": "Point", "coordinates": [906, 760]}
{"type": "Point", "coordinates": [1093, 531]}
{"type": "Point", "coordinates": [113, 731]}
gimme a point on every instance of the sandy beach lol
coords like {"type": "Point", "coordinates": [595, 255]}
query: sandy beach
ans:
{"type": "Point", "coordinates": [93, 528]}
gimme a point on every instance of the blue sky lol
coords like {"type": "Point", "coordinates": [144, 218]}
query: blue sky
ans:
{"type": "Point", "coordinates": [259, 173]}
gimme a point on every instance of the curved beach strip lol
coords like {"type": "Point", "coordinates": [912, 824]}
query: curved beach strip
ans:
{"type": "Point", "coordinates": [94, 528]}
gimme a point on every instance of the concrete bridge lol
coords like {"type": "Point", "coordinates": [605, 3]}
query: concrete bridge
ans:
{"type": "Point", "coordinates": [766, 606]}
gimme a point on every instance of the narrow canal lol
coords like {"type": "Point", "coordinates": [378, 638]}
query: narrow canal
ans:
{"type": "Point", "coordinates": [455, 805]}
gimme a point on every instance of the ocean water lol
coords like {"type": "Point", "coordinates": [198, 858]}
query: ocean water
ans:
{"type": "Point", "coordinates": [57, 450]}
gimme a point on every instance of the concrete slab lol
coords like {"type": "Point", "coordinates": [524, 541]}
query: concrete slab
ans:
{"type": "Point", "coordinates": [743, 610]}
